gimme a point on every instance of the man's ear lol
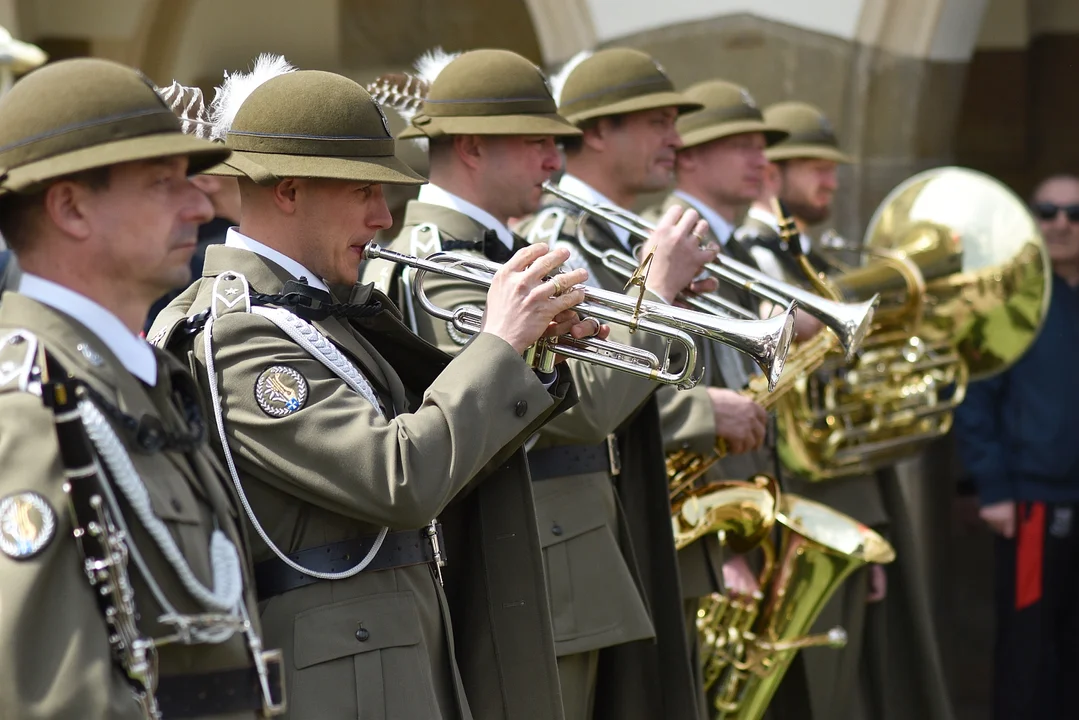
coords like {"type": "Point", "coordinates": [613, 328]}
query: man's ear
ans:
{"type": "Point", "coordinates": [66, 206]}
{"type": "Point", "coordinates": [285, 193]}
{"type": "Point", "coordinates": [469, 149]}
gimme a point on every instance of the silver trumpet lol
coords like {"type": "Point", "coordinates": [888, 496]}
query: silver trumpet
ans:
{"type": "Point", "coordinates": [849, 321]}
{"type": "Point", "coordinates": [766, 341]}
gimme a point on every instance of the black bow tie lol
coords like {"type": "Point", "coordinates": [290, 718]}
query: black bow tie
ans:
{"type": "Point", "coordinates": [315, 304]}
{"type": "Point", "coordinates": [494, 248]}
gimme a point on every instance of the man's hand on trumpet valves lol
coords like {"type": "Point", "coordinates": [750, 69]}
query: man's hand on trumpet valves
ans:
{"type": "Point", "coordinates": [523, 305]}
{"type": "Point", "coordinates": [678, 256]}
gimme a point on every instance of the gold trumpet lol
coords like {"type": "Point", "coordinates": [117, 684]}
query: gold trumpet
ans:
{"type": "Point", "coordinates": [748, 642]}
{"type": "Point", "coordinates": [765, 341]}
{"type": "Point", "coordinates": [849, 321]}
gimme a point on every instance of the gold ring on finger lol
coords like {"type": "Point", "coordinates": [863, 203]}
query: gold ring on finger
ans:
{"type": "Point", "coordinates": [557, 287]}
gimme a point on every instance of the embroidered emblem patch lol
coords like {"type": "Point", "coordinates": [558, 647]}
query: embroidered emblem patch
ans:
{"type": "Point", "coordinates": [456, 335]}
{"type": "Point", "coordinates": [280, 391]}
{"type": "Point", "coordinates": [27, 525]}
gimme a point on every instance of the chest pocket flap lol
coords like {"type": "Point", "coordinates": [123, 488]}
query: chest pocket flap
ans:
{"type": "Point", "coordinates": [335, 631]}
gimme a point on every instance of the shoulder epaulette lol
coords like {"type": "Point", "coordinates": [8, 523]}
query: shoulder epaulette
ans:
{"type": "Point", "coordinates": [20, 362]}
{"type": "Point", "coordinates": [547, 227]}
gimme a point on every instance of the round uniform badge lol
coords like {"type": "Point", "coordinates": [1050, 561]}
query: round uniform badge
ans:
{"type": "Point", "coordinates": [280, 391]}
{"type": "Point", "coordinates": [27, 525]}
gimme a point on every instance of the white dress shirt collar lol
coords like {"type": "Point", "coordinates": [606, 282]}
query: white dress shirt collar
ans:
{"type": "Point", "coordinates": [716, 222]}
{"type": "Point", "coordinates": [434, 195]}
{"type": "Point", "coordinates": [583, 190]}
{"type": "Point", "coordinates": [132, 351]}
{"type": "Point", "coordinates": [236, 239]}
{"type": "Point", "coordinates": [762, 215]}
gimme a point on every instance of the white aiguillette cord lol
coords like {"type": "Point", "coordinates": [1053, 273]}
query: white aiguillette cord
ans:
{"type": "Point", "coordinates": [315, 343]}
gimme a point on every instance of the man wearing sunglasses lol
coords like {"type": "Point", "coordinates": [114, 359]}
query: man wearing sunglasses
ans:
{"type": "Point", "coordinates": [1016, 437]}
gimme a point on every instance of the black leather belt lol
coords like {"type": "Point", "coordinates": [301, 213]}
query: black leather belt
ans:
{"type": "Point", "coordinates": [399, 549]}
{"type": "Point", "coordinates": [566, 460]}
{"type": "Point", "coordinates": [216, 693]}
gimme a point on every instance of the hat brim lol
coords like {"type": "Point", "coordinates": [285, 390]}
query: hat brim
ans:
{"type": "Point", "coordinates": [652, 101]}
{"type": "Point", "coordinates": [532, 124]}
{"type": "Point", "coordinates": [202, 154]}
{"type": "Point", "coordinates": [386, 170]}
{"type": "Point", "coordinates": [700, 136]}
{"type": "Point", "coordinates": [808, 152]}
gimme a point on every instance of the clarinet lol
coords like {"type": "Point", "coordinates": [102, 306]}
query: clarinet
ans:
{"type": "Point", "coordinates": [103, 545]}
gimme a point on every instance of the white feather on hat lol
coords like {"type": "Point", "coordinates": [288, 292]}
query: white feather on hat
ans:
{"type": "Point", "coordinates": [238, 87]}
{"type": "Point", "coordinates": [558, 80]}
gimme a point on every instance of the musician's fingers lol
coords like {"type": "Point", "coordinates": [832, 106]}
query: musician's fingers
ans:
{"type": "Point", "coordinates": [547, 264]}
{"type": "Point", "coordinates": [566, 300]}
{"type": "Point", "coordinates": [687, 222]}
{"type": "Point", "coordinates": [587, 328]}
{"type": "Point", "coordinates": [525, 257]}
{"type": "Point", "coordinates": [670, 218]}
{"type": "Point", "coordinates": [560, 283]}
{"type": "Point", "coordinates": [706, 285]}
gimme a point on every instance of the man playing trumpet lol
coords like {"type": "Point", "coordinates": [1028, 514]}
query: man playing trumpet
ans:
{"type": "Point", "coordinates": [347, 436]}
{"type": "Point", "coordinates": [487, 164]}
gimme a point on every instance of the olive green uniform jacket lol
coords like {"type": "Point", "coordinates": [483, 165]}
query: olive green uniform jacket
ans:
{"type": "Point", "coordinates": [890, 666]}
{"type": "Point", "coordinates": [647, 678]}
{"type": "Point", "coordinates": [595, 601]}
{"type": "Point", "coordinates": [54, 645]}
{"type": "Point", "coordinates": [337, 469]}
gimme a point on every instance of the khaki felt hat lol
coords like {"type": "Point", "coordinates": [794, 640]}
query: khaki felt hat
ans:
{"type": "Point", "coordinates": [489, 92]}
{"type": "Point", "coordinates": [83, 114]}
{"type": "Point", "coordinates": [729, 110]}
{"type": "Point", "coordinates": [618, 81]}
{"type": "Point", "coordinates": [313, 124]}
{"type": "Point", "coordinates": [810, 134]}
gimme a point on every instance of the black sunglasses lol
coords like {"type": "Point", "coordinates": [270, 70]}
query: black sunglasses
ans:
{"type": "Point", "coordinates": [1048, 211]}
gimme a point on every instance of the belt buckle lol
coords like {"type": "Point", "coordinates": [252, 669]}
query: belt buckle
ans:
{"type": "Point", "coordinates": [264, 662]}
{"type": "Point", "coordinates": [613, 456]}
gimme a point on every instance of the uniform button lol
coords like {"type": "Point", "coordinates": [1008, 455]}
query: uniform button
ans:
{"type": "Point", "coordinates": [362, 635]}
{"type": "Point", "coordinates": [556, 529]}
{"type": "Point", "coordinates": [521, 409]}
{"type": "Point", "coordinates": [176, 505]}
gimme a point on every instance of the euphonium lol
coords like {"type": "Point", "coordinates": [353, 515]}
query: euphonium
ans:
{"type": "Point", "coordinates": [964, 281]}
{"type": "Point", "coordinates": [748, 643]}
{"type": "Point", "coordinates": [765, 341]}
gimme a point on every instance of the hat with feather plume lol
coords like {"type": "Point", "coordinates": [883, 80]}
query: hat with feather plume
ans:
{"type": "Point", "coordinates": [83, 114]}
{"type": "Point", "coordinates": [286, 123]}
{"type": "Point", "coordinates": [480, 92]}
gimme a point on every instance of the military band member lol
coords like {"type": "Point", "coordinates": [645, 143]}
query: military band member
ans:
{"type": "Point", "coordinates": [96, 203]}
{"type": "Point", "coordinates": [626, 107]}
{"type": "Point", "coordinates": [349, 435]}
{"type": "Point", "coordinates": [891, 660]}
{"type": "Point", "coordinates": [487, 163]}
{"type": "Point", "coordinates": [719, 174]}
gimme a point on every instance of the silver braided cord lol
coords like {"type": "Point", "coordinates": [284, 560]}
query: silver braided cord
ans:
{"type": "Point", "coordinates": [315, 343]}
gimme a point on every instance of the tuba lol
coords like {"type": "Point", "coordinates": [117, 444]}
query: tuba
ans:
{"type": "Point", "coordinates": [748, 642]}
{"type": "Point", "coordinates": [964, 283]}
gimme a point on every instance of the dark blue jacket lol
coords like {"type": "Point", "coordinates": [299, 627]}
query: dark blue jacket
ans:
{"type": "Point", "coordinates": [1017, 433]}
